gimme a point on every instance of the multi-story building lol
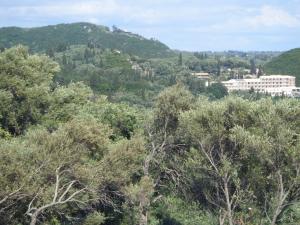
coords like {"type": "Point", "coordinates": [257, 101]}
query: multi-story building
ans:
{"type": "Point", "coordinates": [273, 84]}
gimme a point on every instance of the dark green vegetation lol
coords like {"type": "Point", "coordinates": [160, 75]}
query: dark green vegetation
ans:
{"type": "Point", "coordinates": [123, 66]}
{"type": "Point", "coordinates": [69, 156]}
{"type": "Point", "coordinates": [286, 63]}
{"type": "Point", "coordinates": [59, 36]}
{"type": "Point", "coordinates": [93, 132]}
{"type": "Point", "coordinates": [121, 77]}
{"type": "Point", "coordinates": [126, 67]}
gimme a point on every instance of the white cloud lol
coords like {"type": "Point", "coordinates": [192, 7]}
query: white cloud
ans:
{"type": "Point", "coordinates": [270, 16]}
{"type": "Point", "coordinates": [262, 19]}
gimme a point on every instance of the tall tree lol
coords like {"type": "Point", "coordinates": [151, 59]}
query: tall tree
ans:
{"type": "Point", "coordinates": [217, 90]}
{"type": "Point", "coordinates": [208, 128]}
{"type": "Point", "coordinates": [161, 147]}
{"type": "Point", "coordinates": [273, 144]}
{"type": "Point", "coordinates": [50, 52]}
{"type": "Point", "coordinates": [180, 60]}
{"type": "Point", "coordinates": [24, 86]}
{"type": "Point", "coordinates": [66, 168]}
{"type": "Point", "coordinates": [260, 71]}
{"type": "Point", "coordinates": [64, 59]}
{"type": "Point", "coordinates": [252, 66]}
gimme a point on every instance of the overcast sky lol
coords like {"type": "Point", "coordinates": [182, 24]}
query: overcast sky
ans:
{"type": "Point", "coordinates": [195, 25]}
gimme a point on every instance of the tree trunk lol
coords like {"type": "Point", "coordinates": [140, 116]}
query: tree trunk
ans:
{"type": "Point", "coordinates": [144, 218]}
{"type": "Point", "coordinates": [277, 213]}
{"type": "Point", "coordinates": [34, 218]}
{"type": "Point", "coordinates": [229, 210]}
{"type": "Point", "coordinates": [282, 195]}
{"type": "Point", "coordinates": [274, 219]}
{"type": "Point", "coordinates": [144, 208]}
{"type": "Point", "coordinates": [143, 211]}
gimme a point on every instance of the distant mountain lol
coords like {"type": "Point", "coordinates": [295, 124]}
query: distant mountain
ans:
{"type": "Point", "coordinates": [286, 63]}
{"type": "Point", "coordinates": [59, 36]}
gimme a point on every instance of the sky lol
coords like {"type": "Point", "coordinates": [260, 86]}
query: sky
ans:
{"type": "Point", "coordinates": [193, 25]}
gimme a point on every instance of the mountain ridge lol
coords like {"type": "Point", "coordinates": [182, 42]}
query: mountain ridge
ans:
{"type": "Point", "coordinates": [56, 36]}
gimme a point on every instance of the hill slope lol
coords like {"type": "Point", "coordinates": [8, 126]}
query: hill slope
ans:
{"type": "Point", "coordinates": [59, 36]}
{"type": "Point", "coordinates": [286, 63]}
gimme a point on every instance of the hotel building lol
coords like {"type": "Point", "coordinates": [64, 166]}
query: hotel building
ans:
{"type": "Point", "coordinates": [274, 85]}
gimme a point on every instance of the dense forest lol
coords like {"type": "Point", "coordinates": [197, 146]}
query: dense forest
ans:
{"type": "Point", "coordinates": [98, 135]}
{"type": "Point", "coordinates": [286, 63]}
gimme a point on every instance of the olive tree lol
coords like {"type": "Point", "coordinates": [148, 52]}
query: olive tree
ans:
{"type": "Point", "coordinates": [24, 88]}
{"type": "Point", "coordinates": [214, 159]}
{"type": "Point", "coordinates": [272, 142]}
{"type": "Point", "coordinates": [62, 168]}
{"type": "Point", "coordinates": [161, 148]}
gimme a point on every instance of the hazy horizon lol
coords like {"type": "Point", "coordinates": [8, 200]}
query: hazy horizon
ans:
{"type": "Point", "coordinates": [184, 25]}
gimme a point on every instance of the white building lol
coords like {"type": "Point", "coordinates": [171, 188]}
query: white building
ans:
{"type": "Point", "coordinates": [274, 85]}
{"type": "Point", "coordinates": [286, 91]}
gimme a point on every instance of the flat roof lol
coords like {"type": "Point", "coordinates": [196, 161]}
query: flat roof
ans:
{"type": "Point", "coordinates": [278, 76]}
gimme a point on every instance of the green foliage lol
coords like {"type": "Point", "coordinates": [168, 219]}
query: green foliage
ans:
{"type": "Point", "coordinates": [213, 64]}
{"type": "Point", "coordinates": [124, 120]}
{"type": "Point", "coordinates": [4, 134]}
{"type": "Point", "coordinates": [174, 210]}
{"type": "Point", "coordinates": [65, 102]}
{"type": "Point", "coordinates": [62, 35]}
{"type": "Point", "coordinates": [169, 104]}
{"type": "Point", "coordinates": [107, 72]}
{"type": "Point", "coordinates": [217, 91]}
{"type": "Point", "coordinates": [287, 63]}
{"type": "Point", "coordinates": [24, 88]}
{"type": "Point", "coordinates": [180, 61]}
{"type": "Point", "coordinates": [243, 146]}
{"type": "Point", "coordinates": [95, 218]}
{"type": "Point", "coordinates": [76, 149]}
{"type": "Point", "coordinates": [186, 160]}
{"type": "Point", "coordinates": [138, 191]}
{"type": "Point", "coordinates": [123, 161]}
{"type": "Point", "coordinates": [252, 66]}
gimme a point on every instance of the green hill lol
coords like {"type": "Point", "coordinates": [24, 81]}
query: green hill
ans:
{"type": "Point", "coordinates": [62, 35]}
{"type": "Point", "coordinates": [286, 63]}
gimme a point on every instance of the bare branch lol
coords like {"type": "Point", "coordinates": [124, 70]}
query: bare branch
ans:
{"type": "Point", "coordinates": [209, 156]}
{"type": "Point", "coordinates": [56, 184]}
{"type": "Point", "coordinates": [10, 195]}
{"type": "Point", "coordinates": [58, 199]}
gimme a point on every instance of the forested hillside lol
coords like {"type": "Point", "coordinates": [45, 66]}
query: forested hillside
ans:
{"type": "Point", "coordinates": [123, 66]}
{"type": "Point", "coordinates": [126, 67]}
{"type": "Point", "coordinates": [286, 63]}
{"type": "Point", "coordinates": [58, 37]}
{"type": "Point", "coordinates": [122, 77]}
{"type": "Point", "coordinates": [71, 154]}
